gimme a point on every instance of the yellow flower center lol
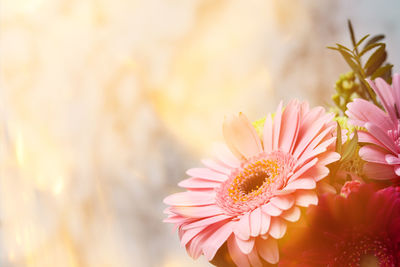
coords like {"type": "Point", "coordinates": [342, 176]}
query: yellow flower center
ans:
{"type": "Point", "coordinates": [251, 181]}
{"type": "Point", "coordinates": [254, 182]}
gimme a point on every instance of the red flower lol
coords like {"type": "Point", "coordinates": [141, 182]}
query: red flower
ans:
{"type": "Point", "coordinates": [360, 230]}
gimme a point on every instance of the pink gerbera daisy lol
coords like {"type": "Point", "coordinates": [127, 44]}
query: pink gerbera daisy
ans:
{"type": "Point", "coordinates": [247, 194]}
{"type": "Point", "coordinates": [383, 130]}
{"type": "Point", "coordinates": [362, 229]}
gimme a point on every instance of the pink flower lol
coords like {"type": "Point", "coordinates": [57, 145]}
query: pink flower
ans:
{"type": "Point", "coordinates": [246, 196]}
{"type": "Point", "coordinates": [362, 229]}
{"type": "Point", "coordinates": [349, 187]}
{"type": "Point", "coordinates": [383, 130]}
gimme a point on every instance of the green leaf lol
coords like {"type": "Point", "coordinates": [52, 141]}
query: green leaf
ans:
{"type": "Point", "coordinates": [388, 77]}
{"type": "Point", "coordinates": [369, 47]}
{"type": "Point", "coordinates": [344, 48]}
{"type": "Point", "coordinates": [375, 39]}
{"type": "Point", "coordinates": [353, 38]}
{"type": "Point", "coordinates": [362, 40]}
{"type": "Point", "coordinates": [375, 61]}
{"type": "Point", "coordinates": [350, 61]}
{"type": "Point", "coordinates": [350, 148]}
{"type": "Point", "coordinates": [333, 48]}
{"type": "Point", "coordinates": [338, 139]}
{"type": "Point", "coordinates": [382, 71]}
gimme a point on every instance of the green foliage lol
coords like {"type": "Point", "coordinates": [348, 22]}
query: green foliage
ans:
{"type": "Point", "coordinates": [353, 84]}
{"type": "Point", "coordinates": [348, 150]}
{"type": "Point", "coordinates": [347, 88]}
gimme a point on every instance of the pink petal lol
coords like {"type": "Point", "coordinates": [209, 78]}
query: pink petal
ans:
{"type": "Point", "coordinates": [321, 148]}
{"type": "Point", "coordinates": [317, 172]}
{"type": "Point", "coordinates": [290, 125]}
{"type": "Point", "coordinates": [168, 211]}
{"type": "Point", "coordinates": [392, 160]}
{"type": "Point", "coordinates": [265, 223]}
{"type": "Point", "coordinates": [301, 183]}
{"type": "Point", "coordinates": [292, 215]}
{"type": "Point", "coordinates": [194, 247]}
{"type": "Point", "coordinates": [372, 153]}
{"type": "Point", "coordinates": [202, 190]}
{"type": "Point", "coordinates": [174, 219]}
{"type": "Point", "coordinates": [198, 183]}
{"type": "Point", "coordinates": [365, 137]}
{"type": "Point", "coordinates": [379, 134]}
{"type": "Point", "coordinates": [190, 234]}
{"type": "Point", "coordinates": [271, 209]}
{"type": "Point", "coordinates": [284, 192]}
{"type": "Point", "coordinates": [268, 134]}
{"type": "Point", "coordinates": [397, 170]}
{"type": "Point", "coordinates": [236, 254]}
{"type": "Point", "coordinates": [308, 132]}
{"type": "Point", "coordinates": [353, 122]}
{"type": "Point", "coordinates": [304, 109]}
{"type": "Point", "coordinates": [268, 250]}
{"type": "Point", "coordinates": [254, 259]}
{"type": "Point", "coordinates": [278, 228]}
{"type": "Point", "coordinates": [304, 156]}
{"type": "Point", "coordinates": [255, 222]}
{"type": "Point", "coordinates": [328, 158]}
{"type": "Point", "coordinates": [190, 199]}
{"type": "Point", "coordinates": [396, 88]}
{"type": "Point", "coordinates": [241, 137]}
{"type": "Point", "coordinates": [283, 202]}
{"type": "Point", "coordinates": [304, 198]}
{"type": "Point", "coordinates": [303, 169]}
{"type": "Point", "coordinates": [222, 152]}
{"type": "Point", "coordinates": [215, 166]}
{"type": "Point", "coordinates": [384, 91]}
{"type": "Point", "coordinates": [216, 240]}
{"type": "Point", "coordinates": [378, 171]}
{"type": "Point", "coordinates": [277, 126]}
{"type": "Point", "coordinates": [206, 221]}
{"type": "Point", "coordinates": [242, 227]}
{"type": "Point", "coordinates": [324, 171]}
{"type": "Point", "coordinates": [198, 212]}
{"type": "Point", "coordinates": [245, 246]}
{"type": "Point", "coordinates": [364, 111]}
{"type": "Point", "coordinates": [207, 174]}
{"type": "Point", "coordinates": [309, 119]}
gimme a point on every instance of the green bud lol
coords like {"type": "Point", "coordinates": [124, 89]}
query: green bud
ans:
{"type": "Point", "coordinates": [350, 76]}
{"type": "Point", "coordinates": [354, 96]}
{"type": "Point", "coordinates": [347, 85]}
{"type": "Point", "coordinates": [336, 99]}
{"type": "Point", "coordinates": [339, 89]}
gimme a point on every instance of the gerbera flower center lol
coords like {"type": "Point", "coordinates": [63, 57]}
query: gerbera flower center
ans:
{"type": "Point", "coordinates": [395, 135]}
{"type": "Point", "coordinates": [255, 182]}
{"type": "Point", "coordinates": [252, 179]}
{"type": "Point", "coordinates": [366, 250]}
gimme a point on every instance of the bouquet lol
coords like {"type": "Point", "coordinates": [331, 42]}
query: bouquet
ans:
{"type": "Point", "coordinates": [304, 186]}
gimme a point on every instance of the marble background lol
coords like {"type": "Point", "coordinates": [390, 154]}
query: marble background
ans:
{"type": "Point", "coordinates": [104, 105]}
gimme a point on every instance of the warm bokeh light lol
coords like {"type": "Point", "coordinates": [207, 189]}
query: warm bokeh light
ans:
{"type": "Point", "coordinates": [104, 104]}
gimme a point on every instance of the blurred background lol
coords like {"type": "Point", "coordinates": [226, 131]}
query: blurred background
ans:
{"type": "Point", "coordinates": [104, 105]}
